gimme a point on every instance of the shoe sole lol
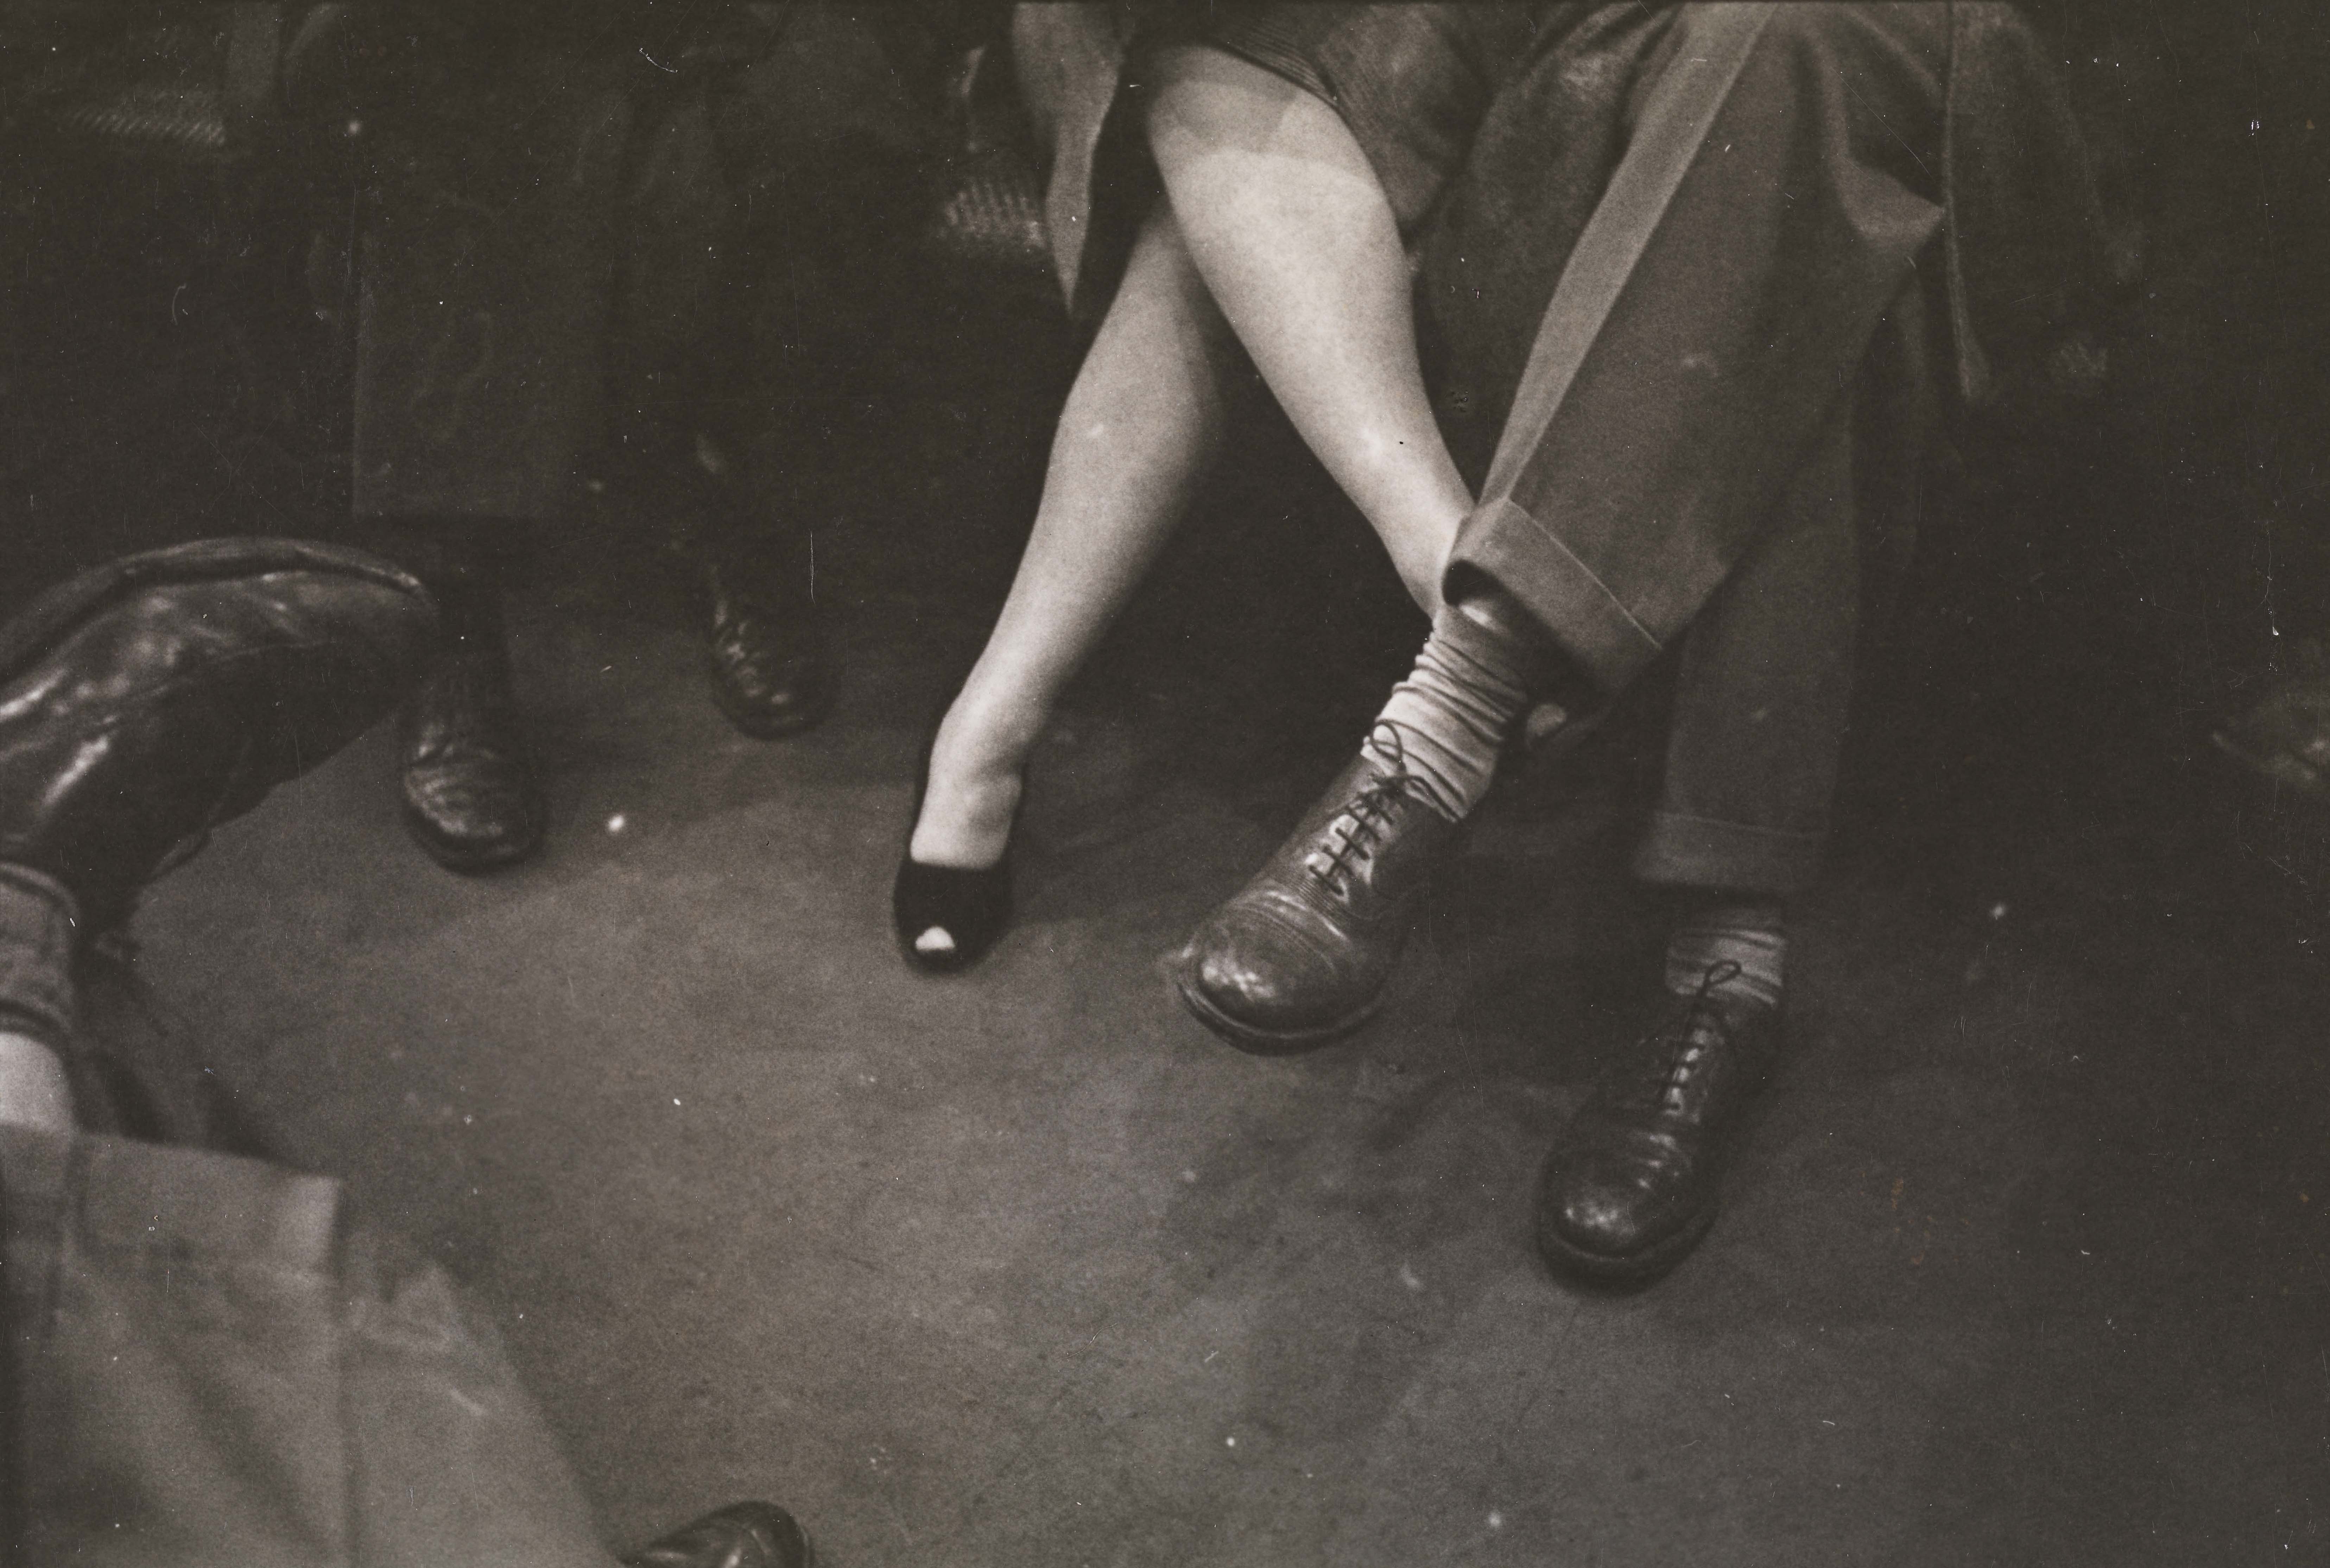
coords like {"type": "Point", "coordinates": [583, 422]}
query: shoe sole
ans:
{"type": "Point", "coordinates": [1631, 1267]}
{"type": "Point", "coordinates": [757, 726]}
{"type": "Point", "coordinates": [1258, 1042]}
{"type": "Point", "coordinates": [467, 861]}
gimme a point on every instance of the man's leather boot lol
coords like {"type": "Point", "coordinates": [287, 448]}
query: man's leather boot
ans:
{"type": "Point", "coordinates": [470, 793]}
{"type": "Point", "coordinates": [1301, 955]}
{"type": "Point", "coordinates": [1633, 1182]}
{"type": "Point", "coordinates": [771, 666]}
{"type": "Point", "coordinates": [741, 1535]}
{"type": "Point", "coordinates": [144, 702]}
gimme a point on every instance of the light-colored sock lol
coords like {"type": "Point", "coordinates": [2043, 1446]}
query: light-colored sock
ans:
{"type": "Point", "coordinates": [38, 1005]}
{"type": "Point", "coordinates": [1448, 723]}
{"type": "Point", "coordinates": [1725, 929]}
{"type": "Point", "coordinates": [33, 1088]}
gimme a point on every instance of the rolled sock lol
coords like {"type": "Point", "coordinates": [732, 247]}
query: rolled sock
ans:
{"type": "Point", "coordinates": [1725, 929]}
{"type": "Point", "coordinates": [1447, 722]}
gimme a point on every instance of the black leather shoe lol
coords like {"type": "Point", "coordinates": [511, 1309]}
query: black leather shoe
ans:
{"type": "Point", "coordinates": [1632, 1184]}
{"type": "Point", "coordinates": [470, 798]}
{"type": "Point", "coordinates": [772, 668]}
{"type": "Point", "coordinates": [1301, 955]}
{"type": "Point", "coordinates": [144, 702]}
{"type": "Point", "coordinates": [741, 1535]}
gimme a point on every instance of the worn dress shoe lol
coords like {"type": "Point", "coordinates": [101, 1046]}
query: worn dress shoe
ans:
{"type": "Point", "coordinates": [1632, 1184]}
{"type": "Point", "coordinates": [1301, 955]}
{"type": "Point", "coordinates": [772, 665]}
{"type": "Point", "coordinates": [741, 1535]}
{"type": "Point", "coordinates": [144, 702]}
{"type": "Point", "coordinates": [471, 797]}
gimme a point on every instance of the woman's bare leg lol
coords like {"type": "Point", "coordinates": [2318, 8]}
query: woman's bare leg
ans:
{"type": "Point", "coordinates": [1141, 425]}
{"type": "Point", "coordinates": [1290, 227]}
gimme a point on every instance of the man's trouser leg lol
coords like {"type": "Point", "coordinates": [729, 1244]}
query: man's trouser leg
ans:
{"type": "Point", "coordinates": [1712, 319]}
{"type": "Point", "coordinates": [486, 275]}
{"type": "Point", "coordinates": [1760, 698]}
{"type": "Point", "coordinates": [216, 1371]}
{"type": "Point", "coordinates": [770, 210]}
{"type": "Point", "coordinates": [1762, 694]}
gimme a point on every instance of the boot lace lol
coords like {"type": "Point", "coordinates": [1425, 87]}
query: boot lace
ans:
{"type": "Point", "coordinates": [1359, 828]}
{"type": "Point", "coordinates": [1686, 1044]}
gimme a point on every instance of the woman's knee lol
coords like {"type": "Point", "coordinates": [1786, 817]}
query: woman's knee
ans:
{"type": "Point", "coordinates": [1204, 99]}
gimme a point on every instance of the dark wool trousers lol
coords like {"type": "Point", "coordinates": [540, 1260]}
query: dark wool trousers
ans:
{"type": "Point", "coordinates": [214, 1367]}
{"type": "Point", "coordinates": [203, 1362]}
{"type": "Point", "coordinates": [565, 241]}
{"type": "Point", "coordinates": [1681, 460]}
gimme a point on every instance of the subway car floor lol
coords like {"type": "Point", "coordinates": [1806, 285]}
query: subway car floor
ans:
{"type": "Point", "coordinates": [2022, 1263]}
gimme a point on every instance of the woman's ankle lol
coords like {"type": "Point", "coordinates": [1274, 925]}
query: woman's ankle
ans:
{"type": "Point", "coordinates": [972, 793]}
{"type": "Point", "coordinates": [989, 736]}
{"type": "Point", "coordinates": [966, 824]}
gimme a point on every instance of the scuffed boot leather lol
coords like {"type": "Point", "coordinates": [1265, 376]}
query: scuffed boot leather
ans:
{"type": "Point", "coordinates": [1634, 1182]}
{"type": "Point", "coordinates": [144, 703]}
{"type": "Point", "coordinates": [741, 1535]}
{"type": "Point", "coordinates": [1302, 954]}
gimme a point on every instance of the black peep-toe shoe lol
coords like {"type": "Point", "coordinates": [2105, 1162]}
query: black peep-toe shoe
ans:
{"type": "Point", "coordinates": [973, 907]}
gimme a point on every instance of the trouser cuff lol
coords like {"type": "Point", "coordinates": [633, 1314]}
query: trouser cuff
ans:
{"type": "Point", "coordinates": [1578, 613]}
{"type": "Point", "coordinates": [38, 921]}
{"type": "Point", "coordinates": [1688, 852]}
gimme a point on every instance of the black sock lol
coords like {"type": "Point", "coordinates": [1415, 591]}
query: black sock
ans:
{"type": "Point", "coordinates": [462, 563]}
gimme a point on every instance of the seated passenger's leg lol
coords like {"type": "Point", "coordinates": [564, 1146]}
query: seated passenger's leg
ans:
{"type": "Point", "coordinates": [360, 1408]}
{"type": "Point", "coordinates": [485, 281]}
{"type": "Point", "coordinates": [766, 236]}
{"type": "Point", "coordinates": [1773, 199]}
{"type": "Point", "coordinates": [469, 794]}
{"type": "Point", "coordinates": [144, 703]}
{"type": "Point", "coordinates": [1141, 425]}
{"type": "Point", "coordinates": [1299, 246]}
{"type": "Point", "coordinates": [1759, 722]}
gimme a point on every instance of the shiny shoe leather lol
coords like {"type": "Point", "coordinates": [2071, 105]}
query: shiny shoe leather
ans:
{"type": "Point", "coordinates": [1632, 1184]}
{"type": "Point", "coordinates": [1301, 955]}
{"type": "Point", "coordinates": [741, 1535]}
{"type": "Point", "coordinates": [772, 669]}
{"type": "Point", "coordinates": [470, 798]}
{"type": "Point", "coordinates": [144, 702]}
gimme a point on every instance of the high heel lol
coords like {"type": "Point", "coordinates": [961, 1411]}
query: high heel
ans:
{"type": "Point", "coordinates": [973, 907]}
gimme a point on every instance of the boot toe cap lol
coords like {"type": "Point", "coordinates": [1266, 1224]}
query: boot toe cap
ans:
{"type": "Point", "coordinates": [1255, 979]}
{"type": "Point", "coordinates": [1615, 1219]}
{"type": "Point", "coordinates": [470, 818]}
